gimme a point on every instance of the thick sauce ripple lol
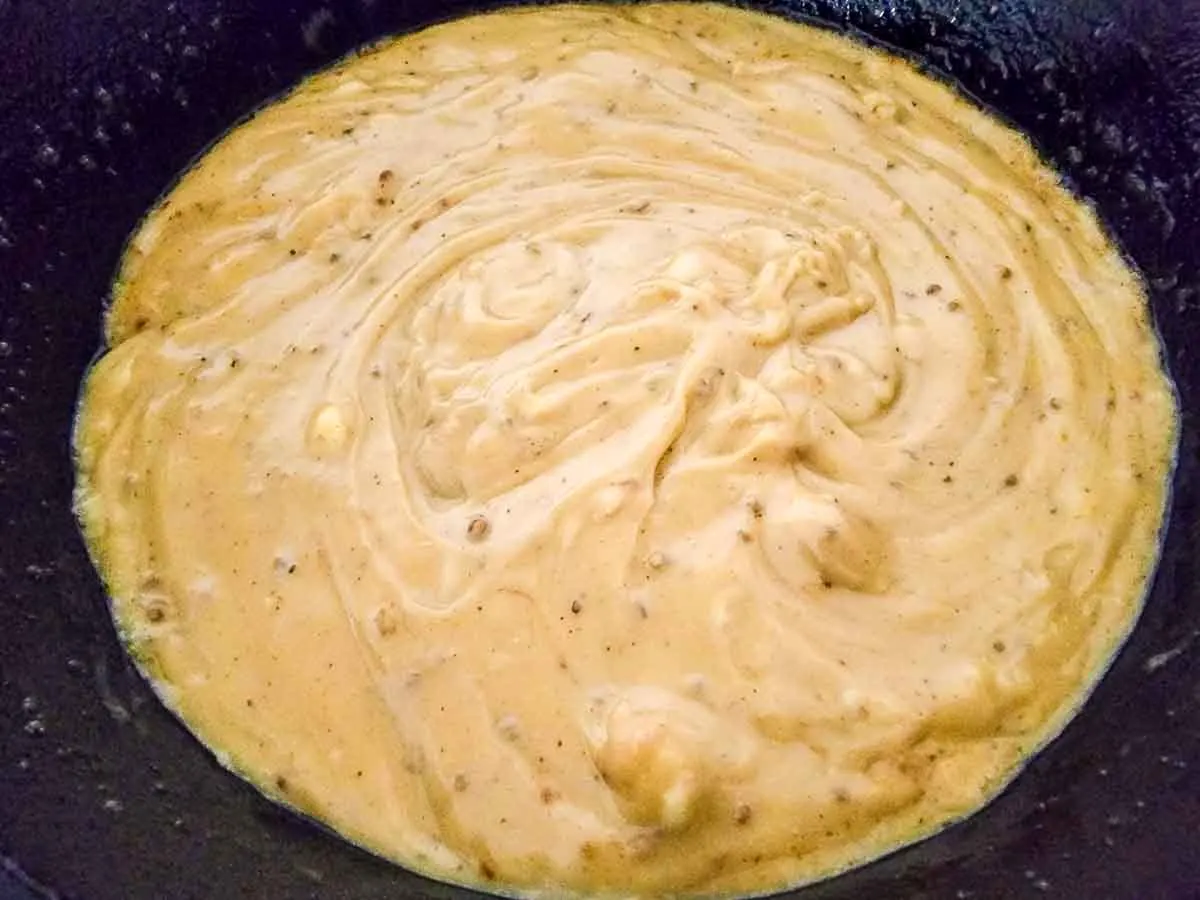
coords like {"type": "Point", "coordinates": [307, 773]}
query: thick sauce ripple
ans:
{"type": "Point", "coordinates": [625, 450]}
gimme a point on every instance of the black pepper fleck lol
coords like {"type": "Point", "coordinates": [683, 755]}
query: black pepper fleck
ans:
{"type": "Point", "coordinates": [478, 528]}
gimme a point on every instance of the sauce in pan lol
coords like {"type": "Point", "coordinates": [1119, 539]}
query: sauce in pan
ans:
{"type": "Point", "coordinates": [625, 450]}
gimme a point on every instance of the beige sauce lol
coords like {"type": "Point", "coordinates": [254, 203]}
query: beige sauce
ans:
{"type": "Point", "coordinates": [628, 450]}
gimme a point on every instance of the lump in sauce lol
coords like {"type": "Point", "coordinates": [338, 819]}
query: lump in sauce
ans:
{"type": "Point", "coordinates": [627, 450]}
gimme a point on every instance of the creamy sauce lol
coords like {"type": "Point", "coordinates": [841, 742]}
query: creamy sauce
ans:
{"type": "Point", "coordinates": [625, 450]}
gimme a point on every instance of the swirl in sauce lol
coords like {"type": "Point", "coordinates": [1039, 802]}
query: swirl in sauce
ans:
{"type": "Point", "coordinates": [625, 450]}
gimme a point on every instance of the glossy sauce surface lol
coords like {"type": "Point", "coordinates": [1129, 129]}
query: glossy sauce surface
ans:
{"type": "Point", "coordinates": [626, 450]}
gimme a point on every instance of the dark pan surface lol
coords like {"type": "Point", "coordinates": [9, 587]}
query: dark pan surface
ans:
{"type": "Point", "coordinates": [103, 796]}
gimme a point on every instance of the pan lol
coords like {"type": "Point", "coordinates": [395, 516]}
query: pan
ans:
{"type": "Point", "coordinates": [105, 796]}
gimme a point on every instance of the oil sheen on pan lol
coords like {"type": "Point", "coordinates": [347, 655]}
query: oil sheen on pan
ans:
{"type": "Point", "coordinates": [628, 451]}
